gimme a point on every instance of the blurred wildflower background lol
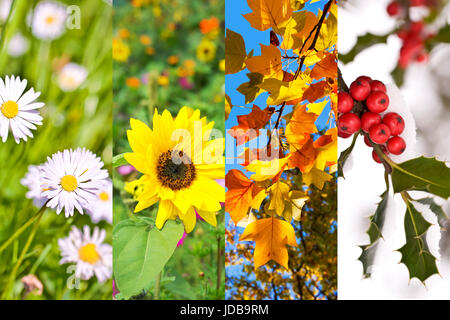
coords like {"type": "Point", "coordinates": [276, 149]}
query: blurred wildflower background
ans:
{"type": "Point", "coordinates": [64, 52]}
{"type": "Point", "coordinates": [169, 54]}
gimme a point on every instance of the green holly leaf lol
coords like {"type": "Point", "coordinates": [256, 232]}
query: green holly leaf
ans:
{"type": "Point", "coordinates": [374, 231]}
{"type": "Point", "coordinates": [416, 256]}
{"type": "Point", "coordinates": [140, 252]}
{"type": "Point", "coordinates": [422, 174]}
{"type": "Point", "coordinates": [436, 209]}
{"type": "Point", "coordinates": [363, 42]}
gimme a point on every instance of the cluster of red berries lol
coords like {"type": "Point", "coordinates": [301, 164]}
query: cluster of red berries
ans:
{"type": "Point", "coordinates": [412, 34]}
{"type": "Point", "coordinates": [382, 130]}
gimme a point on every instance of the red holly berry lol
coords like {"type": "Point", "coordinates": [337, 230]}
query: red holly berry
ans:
{"type": "Point", "coordinates": [375, 154]}
{"type": "Point", "coordinates": [364, 78]}
{"type": "Point", "coordinates": [396, 145]}
{"type": "Point", "coordinates": [417, 3]}
{"type": "Point", "coordinates": [349, 123]}
{"type": "Point", "coordinates": [395, 123]}
{"type": "Point", "coordinates": [376, 85]}
{"type": "Point", "coordinates": [343, 134]}
{"type": "Point", "coordinates": [368, 119]}
{"type": "Point", "coordinates": [422, 57]}
{"type": "Point", "coordinates": [377, 101]}
{"type": "Point", "coordinates": [379, 133]}
{"type": "Point", "coordinates": [393, 8]}
{"type": "Point", "coordinates": [274, 39]}
{"type": "Point", "coordinates": [367, 141]}
{"type": "Point", "coordinates": [360, 89]}
{"type": "Point", "coordinates": [345, 102]}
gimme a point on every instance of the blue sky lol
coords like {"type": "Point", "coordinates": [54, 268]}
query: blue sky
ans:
{"type": "Point", "coordinates": [234, 20]}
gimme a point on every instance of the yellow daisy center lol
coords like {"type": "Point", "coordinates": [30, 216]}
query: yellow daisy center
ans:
{"type": "Point", "coordinates": [10, 109]}
{"type": "Point", "coordinates": [173, 175]}
{"type": "Point", "coordinates": [50, 19]}
{"type": "Point", "coordinates": [103, 196]}
{"type": "Point", "coordinates": [69, 183]}
{"type": "Point", "coordinates": [88, 253]}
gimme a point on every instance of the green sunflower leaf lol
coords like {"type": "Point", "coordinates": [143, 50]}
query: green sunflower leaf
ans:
{"type": "Point", "coordinates": [140, 252]}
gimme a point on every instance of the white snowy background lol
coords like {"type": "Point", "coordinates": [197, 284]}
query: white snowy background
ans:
{"type": "Point", "coordinates": [425, 98]}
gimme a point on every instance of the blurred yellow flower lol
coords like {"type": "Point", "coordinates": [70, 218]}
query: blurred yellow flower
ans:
{"type": "Point", "coordinates": [157, 11]}
{"type": "Point", "coordinates": [145, 40]}
{"type": "Point", "coordinates": [120, 50]}
{"type": "Point", "coordinates": [150, 51]}
{"type": "Point", "coordinates": [222, 65]}
{"type": "Point", "coordinates": [189, 64]}
{"type": "Point", "coordinates": [134, 188]}
{"type": "Point", "coordinates": [139, 3]}
{"type": "Point", "coordinates": [124, 33]}
{"type": "Point", "coordinates": [206, 50]}
{"type": "Point", "coordinates": [182, 72]}
{"type": "Point", "coordinates": [173, 60]}
{"type": "Point", "coordinates": [163, 81]}
{"type": "Point", "coordinates": [133, 82]}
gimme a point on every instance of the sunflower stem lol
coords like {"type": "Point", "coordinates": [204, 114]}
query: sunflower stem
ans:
{"type": "Point", "coordinates": [23, 227]}
{"type": "Point", "coordinates": [23, 253]}
{"type": "Point", "coordinates": [157, 287]}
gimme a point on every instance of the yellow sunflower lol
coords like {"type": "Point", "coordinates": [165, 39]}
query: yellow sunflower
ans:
{"type": "Point", "coordinates": [206, 51]}
{"type": "Point", "coordinates": [180, 163]}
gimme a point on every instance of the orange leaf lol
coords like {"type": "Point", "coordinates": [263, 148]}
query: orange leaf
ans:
{"type": "Point", "coordinates": [300, 127]}
{"type": "Point", "coordinates": [240, 193]}
{"type": "Point", "coordinates": [304, 158]}
{"type": "Point", "coordinates": [315, 91]}
{"type": "Point", "coordinates": [268, 63]}
{"type": "Point", "coordinates": [327, 67]}
{"type": "Point", "coordinates": [271, 235]}
{"type": "Point", "coordinates": [268, 13]}
{"type": "Point", "coordinates": [255, 120]}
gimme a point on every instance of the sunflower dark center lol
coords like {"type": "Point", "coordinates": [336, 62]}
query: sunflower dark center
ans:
{"type": "Point", "coordinates": [175, 170]}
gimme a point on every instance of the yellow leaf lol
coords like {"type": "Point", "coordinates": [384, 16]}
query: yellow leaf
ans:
{"type": "Point", "coordinates": [268, 13]}
{"type": "Point", "coordinates": [278, 193]}
{"type": "Point", "coordinates": [316, 177]}
{"type": "Point", "coordinates": [327, 153]}
{"type": "Point", "coordinates": [228, 106]}
{"type": "Point", "coordinates": [293, 91]}
{"type": "Point", "coordinates": [317, 108]}
{"type": "Point", "coordinates": [271, 236]}
{"type": "Point", "coordinates": [235, 53]}
{"type": "Point", "coordinates": [298, 200]}
{"type": "Point", "coordinates": [266, 169]}
{"type": "Point", "coordinates": [258, 199]}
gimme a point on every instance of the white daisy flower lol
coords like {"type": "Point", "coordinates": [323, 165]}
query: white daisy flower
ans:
{"type": "Point", "coordinates": [18, 45]}
{"type": "Point", "coordinates": [71, 76]}
{"type": "Point", "coordinates": [17, 110]}
{"type": "Point", "coordinates": [102, 209]}
{"type": "Point", "coordinates": [72, 179]}
{"type": "Point", "coordinates": [5, 7]}
{"type": "Point", "coordinates": [49, 20]}
{"type": "Point", "coordinates": [33, 181]}
{"type": "Point", "coordinates": [91, 255]}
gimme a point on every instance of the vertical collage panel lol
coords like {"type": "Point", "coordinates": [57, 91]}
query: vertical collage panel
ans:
{"type": "Point", "coordinates": [281, 150]}
{"type": "Point", "coordinates": [393, 126]}
{"type": "Point", "coordinates": [169, 167]}
{"type": "Point", "coordinates": [55, 150]}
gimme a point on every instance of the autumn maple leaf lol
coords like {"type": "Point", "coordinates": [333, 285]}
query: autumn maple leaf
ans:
{"type": "Point", "coordinates": [268, 13]}
{"type": "Point", "coordinates": [240, 195]}
{"type": "Point", "coordinates": [271, 235]}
